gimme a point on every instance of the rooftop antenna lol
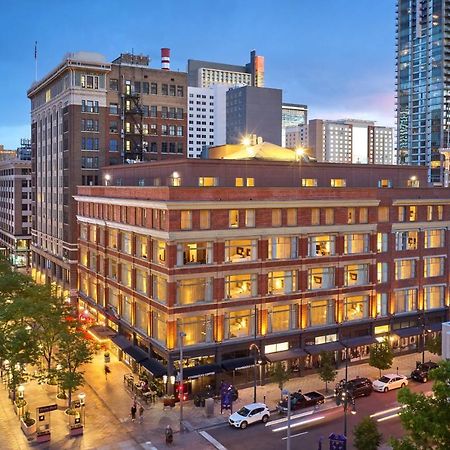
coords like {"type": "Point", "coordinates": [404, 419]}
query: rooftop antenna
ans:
{"type": "Point", "coordinates": [35, 61]}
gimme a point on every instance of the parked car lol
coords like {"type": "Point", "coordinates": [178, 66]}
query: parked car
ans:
{"type": "Point", "coordinates": [248, 414]}
{"type": "Point", "coordinates": [422, 371]}
{"type": "Point", "coordinates": [389, 382]}
{"type": "Point", "coordinates": [300, 401]}
{"type": "Point", "coordinates": [358, 387]}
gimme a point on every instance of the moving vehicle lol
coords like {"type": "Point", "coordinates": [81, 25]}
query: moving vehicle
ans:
{"type": "Point", "coordinates": [389, 382]}
{"type": "Point", "coordinates": [422, 371]}
{"type": "Point", "coordinates": [357, 387]}
{"type": "Point", "coordinates": [300, 401]}
{"type": "Point", "coordinates": [248, 414]}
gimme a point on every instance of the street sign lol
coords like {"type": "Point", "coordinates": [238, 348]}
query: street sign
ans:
{"type": "Point", "coordinates": [48, 408]}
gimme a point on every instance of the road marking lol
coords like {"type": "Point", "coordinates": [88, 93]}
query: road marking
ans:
{"type": "Point", "coordinates": [392, 416]}
{"type": "Point", "coordinates": [148, 445]}
{"type": "Point", "coordinates": [298, 424]}
{"type": "Point", "coordinates": [380, 413]}
{"type": "Point", "coordinates": [212, 441]}
{"type": "Point", "coordinates": [295, 435]}
{"type": "Point", "coordinates": [284, 419]}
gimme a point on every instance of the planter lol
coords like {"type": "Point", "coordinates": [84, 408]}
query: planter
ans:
{"type": "Point", "coordinates": [107, 357]}
{"type": "Point", "coordinates": [61, 402]}
{"type": "Point", "coordinates": [19, 406]}
{"type": "Point", "coordinates": [76, 430]}
{"type": "Point", "coordinates": [169, 402]}
{"type": "Point", "coordinates": [28, 430]}
{"type": "Point", "coordinates": [43, 436]}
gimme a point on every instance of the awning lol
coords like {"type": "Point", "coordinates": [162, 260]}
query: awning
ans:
{"type": "Point", "coordinates": [407, 332]}
{"type": "Point", "coordinates": [154, 367]}
{"type": "Point", "coordinates": [238, 363]}
{"type": "Point", "coordinates": [136, 353]}
{"type": "Point", "coordinates": [287, 354]}
{"type": "Point", "coordinates": [121, 341]}
{"type": "Point", "coordinates": [101, 333]}
{"type": "Point", "coordinates": [360, 340]}
{"type": "Point", "coordinates": [328, 347]}
{"type": "Point", "coordinates": [437, 326]}
{"type": "Point", "coordinates": [201, 371]}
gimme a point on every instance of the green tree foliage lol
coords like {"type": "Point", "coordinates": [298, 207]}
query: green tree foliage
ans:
{"type": "Point", "coordinates": [381, 356]}
{"type": "Point", "coordinates": [366, 435]}
{"type": "Point", "coordinates": [327, 369]}
{"type": "Point", "coordinates": [427, 418]}
{"type": "Point", "coordinates": [279, 375]}
{"type": "Point", "coordinates": [434, 344]}
{"type": "Point", "coordinates": [73, 352]}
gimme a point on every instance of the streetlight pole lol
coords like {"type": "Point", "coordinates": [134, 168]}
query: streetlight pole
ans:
{"type": "Point", "coordinates": [255, 372]}
{"type": "Point", "coordinates": [181, 335]}
{"type": "Point", "coordinates": [423, 337]}
{"type": "Point", "coordinates": [288, 437]}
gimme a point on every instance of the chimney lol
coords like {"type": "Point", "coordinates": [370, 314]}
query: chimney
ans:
{"type": "Point", "coordinates": [165, 58]}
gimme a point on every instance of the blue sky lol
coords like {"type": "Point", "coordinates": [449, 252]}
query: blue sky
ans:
{"type": "Point", "coordinates": [337, 56]}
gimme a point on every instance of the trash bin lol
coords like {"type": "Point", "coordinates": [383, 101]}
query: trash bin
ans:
{"type": "Point", "coordinates": [209, 402]}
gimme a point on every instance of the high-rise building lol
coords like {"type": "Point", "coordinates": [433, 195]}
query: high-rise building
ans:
{"type": "Point", "coordinates": [254, 111]}
{"type": "Point", "coordinates": [233, 252]}
{"type": "Point", "coordinates": [423, 82]}
{"type": "Point", "coordinates": [207, 117]}
{"type": "Point", "coordinates": [204, 73]}
{"type": "Point", "coordinates": [15, 207]}
{"type": "Point", "coordinates": [296, 136]}
{"type": "Point", "coordinates": [292, 115]}
{"type": "Point", "coordinates": [87, 113]}
{"type": "Point", "coordinates": [350, 141]}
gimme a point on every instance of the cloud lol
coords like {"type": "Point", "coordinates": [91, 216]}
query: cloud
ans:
{"type": "Point", "coordinates": [10, 135]}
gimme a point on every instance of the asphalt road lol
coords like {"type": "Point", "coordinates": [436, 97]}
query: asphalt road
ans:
{"type": "Point", "coordinates": [308, 429]}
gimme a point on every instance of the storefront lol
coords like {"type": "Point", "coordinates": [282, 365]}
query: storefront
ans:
{"type": "Point", "coordinates": [201, 377]}
{"type": "Point", "coordinates": [240, 371]}
{"type": "Point", "coordinates": [406, 340]}
{"type": "Point", "coordinates": [312, 361]}
{"type": "Point", "coordinates": [292, 359]}
{"type": "Point", "coordinates": [357, 348]}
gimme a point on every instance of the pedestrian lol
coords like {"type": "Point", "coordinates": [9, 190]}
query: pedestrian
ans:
{"type": "Point", "coordinates": [169, 435]}
{"type": "Point", "coordinates": [107, 371]}
{"type": "Point", "coordinates": [133, 412]}
{"type": "Point", "coordinates": [141, 414]}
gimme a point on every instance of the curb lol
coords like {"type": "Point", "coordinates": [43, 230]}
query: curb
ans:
{"type": "Point", "coordinates": [212, 441]}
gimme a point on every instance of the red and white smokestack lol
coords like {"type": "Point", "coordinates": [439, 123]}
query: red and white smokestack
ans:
{"type": "Point", "coordinates": [165, 58]}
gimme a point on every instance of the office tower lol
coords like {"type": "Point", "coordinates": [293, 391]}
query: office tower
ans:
{"type": "Point", "coordinates": [15, 206]}
{"type": "Point", "coordinates": [87, 113]}
{"type": "Point", "coordinates": [204, 73]}
{"type": "Point", "coordinates": [296, 136]}
{"type": "Point", "coordinates": [423, 83]}
{"type": "Point", "coordinates": [292, 115]}
{"type": "Point", "coordinates": [254, 111]}
{"type": "Point", "coordinates": [207, 118]}
{"type": "Point", "coordinates": [350, 141]}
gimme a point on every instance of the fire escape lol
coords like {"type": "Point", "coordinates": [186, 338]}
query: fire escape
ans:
{"type": "Point", "coordinates": [132, 125]}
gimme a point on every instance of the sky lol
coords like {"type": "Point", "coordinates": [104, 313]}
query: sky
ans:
{"type": "Point", "coordinates": [336, 56]}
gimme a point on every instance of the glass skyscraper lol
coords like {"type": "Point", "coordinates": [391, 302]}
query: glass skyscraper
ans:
{"type": "Point", "coordinates": [423, 83]}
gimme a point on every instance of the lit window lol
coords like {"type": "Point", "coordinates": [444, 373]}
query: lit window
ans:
{"type": "Point", "coordinates": [276, 217]}
{"type": "Point", "coordinates": [204, 219]}
{"type": "Point", "coordinates": [356, 274]}
{"type": "Point", "coordinates": [309, 182]}
{"type": "Point", "coordinates": [338, 182]}
{"type": "Point", "coordinates": [433, 266]}
{"type": "Point", "coordinates": [249, 218]}
{"type": "Point", "coordinates": [186, 220]}
{"type": "Point", "coordinates": [233, 218]}
{"type": "Point", "coordinates": [434, 238]}
{"type": "Point", "coordinates": [207, 181]}
{"type": "Point", "coordinates": [323, 245]}
{"type": "Point", "coordinates": [405, 269]}
{"type": "Point", "coordinates": [321, 278]}
{"type": "Point", "coordinates": [406, 240]}
{"type": "Point", "coordinates": [356, 307]}
{"type": "Point", "coordinates": [382, 272]}
{"type": "Point", "coordinates": [351, 215]}
{"type": "Point", "coordinates": [382, 242]}
{"type": "Point", "coordinates": [405, 300]}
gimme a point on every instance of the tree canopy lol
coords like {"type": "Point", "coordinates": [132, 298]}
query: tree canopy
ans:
{"type": "Point", "coordinates": [427, 418]}
{"type": "Point", "coordinates": [381, 356]}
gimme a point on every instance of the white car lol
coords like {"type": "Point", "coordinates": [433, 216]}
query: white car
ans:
{"type": "Point", "coordinates": [255, 412]}
{"type": "Point", "coordinates": [389, 382]}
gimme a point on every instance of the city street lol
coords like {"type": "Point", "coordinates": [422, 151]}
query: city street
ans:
{"type": "Point", "coordinates": [306, 430]}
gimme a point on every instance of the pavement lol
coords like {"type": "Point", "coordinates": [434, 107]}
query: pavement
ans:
{"type": "Point", "coordinates": [108, 423]}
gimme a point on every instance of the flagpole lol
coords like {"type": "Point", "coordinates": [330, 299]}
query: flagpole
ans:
{"type": "Point", "coordinates": [35, 61]}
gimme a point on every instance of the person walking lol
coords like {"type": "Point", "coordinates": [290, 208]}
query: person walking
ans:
{"type": "Point", "coordinates": [107, 371]}
{"type": "Point", "coordinates": [169, 434]}
{"type": "Point", "coordinates": [133, 412]}
{"type": "Point", "coordinates": [141, 414]}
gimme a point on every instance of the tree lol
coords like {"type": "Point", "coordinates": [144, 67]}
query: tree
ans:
{"type": "Point", "coordinates": [381, 356]}
{"type": "Point", "coordinates": [327, 369]}
{"type": "Point", "coordinates": [73, 351]}
{"type": "Point", "coordinates": [427, 418]}
{"type": "Point", "coordinates": [366, 435]}
{"type": "Point", "coordinates": [434, 344]}
{"type": "Point", "coordinates": [279, 375]}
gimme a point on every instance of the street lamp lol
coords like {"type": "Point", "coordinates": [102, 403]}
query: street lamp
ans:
{"type": "Point", "coordinates": [288, 438]}
{"type": "Point", "coordinates": [107, 179]}
{"type": "Point", "coordinates": [181, 335]}
{"type": "Point", "coordinates": [82, 398]}
{"type": "Point", "coordinates": [424, 336]}
{"type": "Point", "coordinates": [257, 354]}
{"type": "Point", "coordinates": [343, 395]}
{"type": "Point", "coordinates": [21, 390]}
{"type": "Point", "coordinates": [165, 383]}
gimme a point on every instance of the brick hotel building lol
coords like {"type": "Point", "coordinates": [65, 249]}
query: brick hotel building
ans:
{"type": "Point", "coordinates": [295, 256]}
